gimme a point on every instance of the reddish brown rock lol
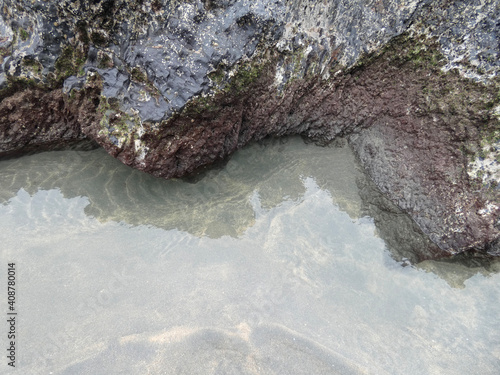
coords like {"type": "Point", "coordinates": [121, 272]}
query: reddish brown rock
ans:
{"type": "Point", "coordinates": [410, 124]}
{"type": "Point", "coordinates": [37, 120]}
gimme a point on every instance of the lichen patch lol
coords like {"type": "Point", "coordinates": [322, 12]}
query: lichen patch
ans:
{"type": "Point", "coordinates": [486, 165]}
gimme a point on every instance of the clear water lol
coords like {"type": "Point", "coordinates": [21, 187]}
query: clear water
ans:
{"type": "Point", "coordinates": [265, 266]}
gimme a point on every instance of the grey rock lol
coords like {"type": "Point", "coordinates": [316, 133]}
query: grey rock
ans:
{"type": "Point", "coordinates": [180, 84]}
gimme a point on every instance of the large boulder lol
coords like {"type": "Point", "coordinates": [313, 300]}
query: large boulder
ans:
{"type": "Point", "coordinates": [171, 86]}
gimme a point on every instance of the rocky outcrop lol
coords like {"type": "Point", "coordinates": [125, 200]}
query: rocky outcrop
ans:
{"type": "Point", "coordinates": [171, 86]}
{"type": "Point", "coordinates": [35, 119]}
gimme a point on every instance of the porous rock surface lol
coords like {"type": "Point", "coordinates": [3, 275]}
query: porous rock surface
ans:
{"type": "Point", "coordinates": [171, 86]}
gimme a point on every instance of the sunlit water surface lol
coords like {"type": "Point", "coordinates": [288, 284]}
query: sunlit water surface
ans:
{"type": "Point", "coordinates": [264, 266]}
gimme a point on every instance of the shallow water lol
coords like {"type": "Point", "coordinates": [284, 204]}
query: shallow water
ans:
{"type": "Point", "coordinates": [264, 266]}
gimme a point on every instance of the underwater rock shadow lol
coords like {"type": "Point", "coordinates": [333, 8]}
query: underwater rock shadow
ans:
{"type": "Point", "coordinates": [408, 245]}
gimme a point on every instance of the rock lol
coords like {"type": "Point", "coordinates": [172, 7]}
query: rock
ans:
{"type": "Point", "coordinates": [169, 87]}
{"type": "Point", "coordinates": [34, 119]}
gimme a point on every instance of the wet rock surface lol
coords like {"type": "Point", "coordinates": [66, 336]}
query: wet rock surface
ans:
{"type": "Point", "coordinates": [169, 87]}
{"type": "Point", "coordinates": [34, 119]}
